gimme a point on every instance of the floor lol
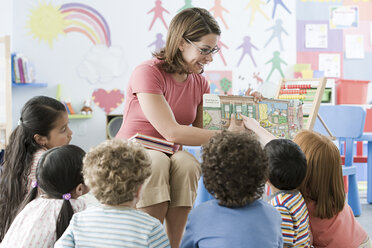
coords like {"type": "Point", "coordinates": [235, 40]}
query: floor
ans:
{"type": "Point", "coordinates": [365, 219]}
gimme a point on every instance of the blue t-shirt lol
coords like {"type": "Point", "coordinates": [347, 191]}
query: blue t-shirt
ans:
{"type": "Point", "coordinates": [255, 225]}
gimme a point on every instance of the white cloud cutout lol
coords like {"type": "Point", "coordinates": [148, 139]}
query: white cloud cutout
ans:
{"type": "Point", "coordinates": [102, 64]}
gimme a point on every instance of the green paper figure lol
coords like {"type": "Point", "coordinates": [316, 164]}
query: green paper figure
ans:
{"type": "Point", "coordinates": [225, 85]}
{"type": "Point", "coordinates": [276, 61]}
{"type": "Point", "coordinates": [188, 4]}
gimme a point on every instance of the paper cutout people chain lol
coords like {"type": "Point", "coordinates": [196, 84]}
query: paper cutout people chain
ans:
{"type": "Point", "coordinates": [158, 13]}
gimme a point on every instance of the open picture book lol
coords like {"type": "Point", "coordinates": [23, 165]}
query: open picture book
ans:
{"type": "Point", "coordinates": [282, 118]}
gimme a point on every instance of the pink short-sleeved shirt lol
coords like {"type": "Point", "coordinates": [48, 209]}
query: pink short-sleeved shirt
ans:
{"type": "Point", "coordinates": [341, 231]}
{"type": "Point", "coordinates": [183, 98]}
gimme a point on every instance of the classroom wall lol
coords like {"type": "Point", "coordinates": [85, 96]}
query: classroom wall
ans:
{"type": "Point", "coordinates": [6, 19]}
{"type": "Point", "coordinates": [345, 20]}
{"type": "Point", "coordinates": [69, 56]}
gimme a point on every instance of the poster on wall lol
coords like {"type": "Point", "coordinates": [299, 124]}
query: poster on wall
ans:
{"type": "Point", "coordinates": [343, 17]}
{"type": "Point", "coordinates": [354, 47]}
{"type": "Point", "coordinates": [370, 33]}
{"type": "Point", "coordinates": [330, 63]}
{"type": "Point", "coordinates": [316, 36]}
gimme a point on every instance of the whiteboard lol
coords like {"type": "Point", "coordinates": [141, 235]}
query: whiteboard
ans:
{"type": "Point", "coordinates": [5, 91]}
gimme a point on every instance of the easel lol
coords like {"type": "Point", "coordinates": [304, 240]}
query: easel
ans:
{"type": "Point", "coordinates": [5, 91]}
{"type": "Point", "coordinates": [310, 91]}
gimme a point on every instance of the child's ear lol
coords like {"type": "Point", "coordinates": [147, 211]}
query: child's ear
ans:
{"type": "Point", "coordinates": [41, 140]}
{"type": "Point", "coordinates": [80, 190]}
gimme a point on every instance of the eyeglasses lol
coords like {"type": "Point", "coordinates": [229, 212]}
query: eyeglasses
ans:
{"type": "Point", "coordinates": [204, 51]}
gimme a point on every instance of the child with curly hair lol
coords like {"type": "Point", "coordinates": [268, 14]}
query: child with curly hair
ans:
{"type": "Point", "coordinates": [115, 171]}
{"type": "Point", "coordinates": [235, 170]}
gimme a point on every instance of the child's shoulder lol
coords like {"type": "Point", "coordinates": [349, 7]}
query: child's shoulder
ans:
{"type": "Point", "coordinates": [118, 213]}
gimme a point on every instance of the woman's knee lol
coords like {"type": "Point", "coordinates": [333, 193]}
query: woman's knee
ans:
{"type": "Point", "coordinates": [160, 163]}
{"type": "Point", "coordinates": [184, 163]}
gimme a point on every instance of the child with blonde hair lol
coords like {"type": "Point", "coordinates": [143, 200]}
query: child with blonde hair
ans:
{"type": "Point", "coordinates": [115, 171]}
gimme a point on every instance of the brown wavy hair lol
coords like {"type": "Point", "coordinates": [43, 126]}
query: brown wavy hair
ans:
{"type": "Point", "coordinates": [323, 182]}
{"type": "Point", "coordinates": [191, 24]}
{"type": "Point", "coordinates": [115, 169]}
{"type": "Point", "coordinates": [235, 168]}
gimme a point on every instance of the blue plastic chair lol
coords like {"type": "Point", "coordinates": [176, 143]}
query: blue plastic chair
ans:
{"type": "Point", "coordinates": [346, 123]}
{"type": "Point", "coordinates": [202, 195]}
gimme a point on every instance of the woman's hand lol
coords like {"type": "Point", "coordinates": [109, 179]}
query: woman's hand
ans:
{"type": "Point", "coordinates": [257, 96]}
{"type": "Point", "coordinates": [233, 126]}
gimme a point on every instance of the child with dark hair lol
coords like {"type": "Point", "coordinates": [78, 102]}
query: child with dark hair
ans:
{"type": "Point", "coordinates": [235, 171]}
{"type": "Point", "coordinates": [115, 171]}
{"type": "Point", "coordinates": [43, 125]}
{"type": "Point", "coordinates": [287, 170]}
{"type": "Point", "coordinates": [43, 220]}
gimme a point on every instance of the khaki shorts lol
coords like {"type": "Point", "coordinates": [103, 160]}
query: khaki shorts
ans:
{"type": "Point", "coordinates": [173, 178]}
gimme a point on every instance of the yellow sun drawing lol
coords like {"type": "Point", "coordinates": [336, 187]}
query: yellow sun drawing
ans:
{"type": "Point", "coordinates": [46, 22]}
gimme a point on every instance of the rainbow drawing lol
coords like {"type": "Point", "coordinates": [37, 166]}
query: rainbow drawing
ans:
{"type": "Point", "coordinates": [47, 22]}
{"type": "Point", "coordinates": [88, 21]}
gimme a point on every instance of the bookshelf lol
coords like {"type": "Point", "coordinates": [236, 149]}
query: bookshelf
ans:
{"type": "Point", "coordinates": [71, 116]}
{"type": "Point", "coordinates": [28, 85]}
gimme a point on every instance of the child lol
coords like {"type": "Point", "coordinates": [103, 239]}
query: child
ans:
{"type": "Point", "coordinates": [44, 219]}
{"type": "Point", "coordinates": [235, 170]}
{"type": "Point", "coordinates": [287, 170]}
{"type": "Point", "coordinates": [43, 125]}
{"type": "Point", "coordinates": [114, 172]}
{"type": "Point", "coordinates": [331, 218]}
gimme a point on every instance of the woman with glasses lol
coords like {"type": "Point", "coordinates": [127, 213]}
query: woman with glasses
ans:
{"type": "Point", "coordinates": [164, 100]}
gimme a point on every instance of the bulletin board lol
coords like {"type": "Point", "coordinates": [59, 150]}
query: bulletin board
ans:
{"type": "Point", "coordinates": [309, 91]}
{"type": "Point", "coordinates": [5, 92]}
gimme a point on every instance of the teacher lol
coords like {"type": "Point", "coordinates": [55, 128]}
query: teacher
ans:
{"type": "Point", "coordinates": [164, 100]}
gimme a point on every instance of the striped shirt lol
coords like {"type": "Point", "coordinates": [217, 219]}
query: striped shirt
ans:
{"type": "Point", "coordinates": [295, 218]}
{"type": "Point", "coordinates": [113, 226]}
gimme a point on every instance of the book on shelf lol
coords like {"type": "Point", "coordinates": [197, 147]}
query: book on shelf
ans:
{"type": "Point", "coordinates": [22, 72]}
{"type": "Point", "coordinates": [154, 143]}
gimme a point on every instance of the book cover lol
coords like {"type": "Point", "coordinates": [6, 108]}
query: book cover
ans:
{"type": "Point", "coordinates": [283, 118]}
{"type": "Point", "coordinates": [20, 67]}
{"type": "Point", "coordinates": [15, 69]}
{"type": "Point", "coordinates": [153, 143]}
{"type": "Point", "coordinates": [153, 139]}
{"type": "Point", "coordinates": [69, 106]}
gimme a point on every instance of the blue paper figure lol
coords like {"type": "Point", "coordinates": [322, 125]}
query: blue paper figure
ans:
{"type": "Point", "coordinates": [276, 2]}
{"type": "Point", "coordinates": [277, 33]}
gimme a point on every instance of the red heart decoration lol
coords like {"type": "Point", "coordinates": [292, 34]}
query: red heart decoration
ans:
{"type": "Point", "coordinates": [108, 100]}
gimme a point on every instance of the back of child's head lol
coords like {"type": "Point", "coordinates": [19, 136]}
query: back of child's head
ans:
{"type": "Point", "coordinates": [323, 182]}
{"type": "Point", "coordinates": [58, 174]}
{"type": "Point", "coordinates": [234, 168]}
{"type": "Point", "coordinates": [38, 116]}
{"type": "Point", "coordinates": [287, 164]}
{"type": "Point", "coordinates": [115, 169]}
